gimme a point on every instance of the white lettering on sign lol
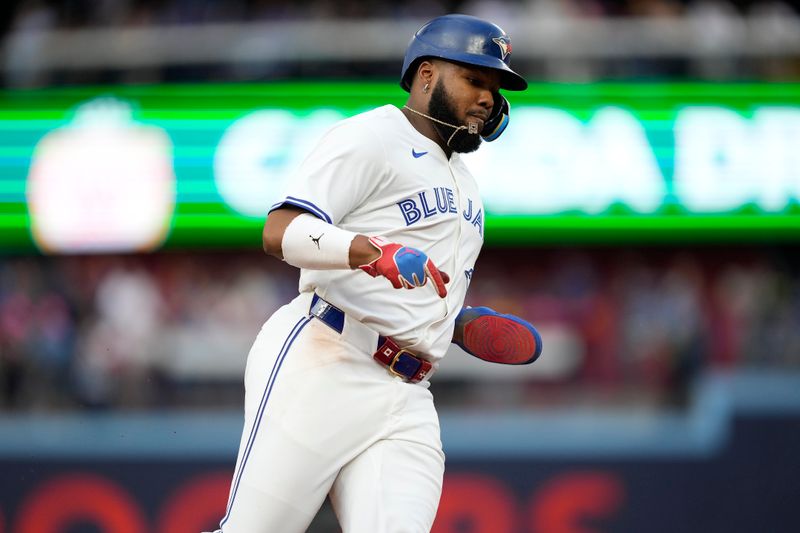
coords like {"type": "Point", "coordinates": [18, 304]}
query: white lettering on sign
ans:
{"type": "Point", "coordinates": [724, 160]}
{"type": "Point", "coordinates": [626, 166]}
{"type": "Point", "coordinates": [713, 164]}
{"type": "Point", "coordinates": [550, 162]}
{"type": "Point", "coordinates": [258, 152]}
{"type": "Point", "coordinates": [777, 156]}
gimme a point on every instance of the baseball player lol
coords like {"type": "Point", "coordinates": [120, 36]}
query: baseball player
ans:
{"type": "Point", "coordinates": [337, 400]}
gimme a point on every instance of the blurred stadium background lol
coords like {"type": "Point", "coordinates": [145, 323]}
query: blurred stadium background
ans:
{"type": "Point", "coordinates": [642, 210]}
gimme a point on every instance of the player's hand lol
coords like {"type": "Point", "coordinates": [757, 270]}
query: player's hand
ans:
{"type": "Point", "coordinates": [404, 267]}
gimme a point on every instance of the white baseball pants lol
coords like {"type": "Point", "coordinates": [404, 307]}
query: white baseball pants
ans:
{"type": "Point", "coordinates": [322, 417]}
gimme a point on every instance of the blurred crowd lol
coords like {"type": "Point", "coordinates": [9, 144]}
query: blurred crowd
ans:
{"type": "Point", "coordinates": [173, 329]}
{"type": "Point", "coordinates": [720, 38]}
{"type": "Point", "coordinates": [94, 13]}
{"type": "Point", "coordinates": [101, 331]}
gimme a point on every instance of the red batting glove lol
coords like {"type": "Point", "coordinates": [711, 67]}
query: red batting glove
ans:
{"type": "Point", "coordinates": [404, 266]}
{"type": "Point", "coordinates": [497, 338]}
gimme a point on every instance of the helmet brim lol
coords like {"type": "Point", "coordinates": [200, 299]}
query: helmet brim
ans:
{"type": "Point", "coordinates": [509, 80]}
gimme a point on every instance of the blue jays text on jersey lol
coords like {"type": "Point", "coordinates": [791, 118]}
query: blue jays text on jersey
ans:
{"type": "Point", "coordinates": [439, 200]}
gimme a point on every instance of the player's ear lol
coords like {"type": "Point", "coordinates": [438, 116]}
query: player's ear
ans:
{"type": "Point", "coordinates": [426, 72]}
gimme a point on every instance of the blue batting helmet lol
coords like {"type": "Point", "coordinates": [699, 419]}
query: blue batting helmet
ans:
{"type": "Point", "coordinates": [463, 39]}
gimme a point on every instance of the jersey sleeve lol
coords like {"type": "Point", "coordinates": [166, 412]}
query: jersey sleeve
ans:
{"type": "Point", "coordinates": [339, 174]}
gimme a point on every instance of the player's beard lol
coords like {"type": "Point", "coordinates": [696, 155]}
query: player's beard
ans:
{"type": "Point", "coordinates": [441, 107]}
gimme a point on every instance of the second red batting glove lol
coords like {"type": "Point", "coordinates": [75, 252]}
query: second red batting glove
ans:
{"type": "Point", "coordinates": [496, 337]}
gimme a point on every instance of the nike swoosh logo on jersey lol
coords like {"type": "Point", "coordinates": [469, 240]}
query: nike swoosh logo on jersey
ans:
{"type": "Point", "coordinates": [416, 154]}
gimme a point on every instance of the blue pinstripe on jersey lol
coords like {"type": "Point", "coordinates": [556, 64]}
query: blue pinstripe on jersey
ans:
{"type": "Point", "coordinates": [305, 204]}
{"type": "Point", "coordinates": [287, 344]}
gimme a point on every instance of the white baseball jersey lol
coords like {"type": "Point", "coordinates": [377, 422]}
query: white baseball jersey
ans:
{"type": "Point", "coordinates": [375, 174]}
{"type": "Point", "coordinates": [321, 416]}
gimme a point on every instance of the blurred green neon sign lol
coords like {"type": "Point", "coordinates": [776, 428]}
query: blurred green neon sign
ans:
{"type": "Point", "coordinates": [138, 168]}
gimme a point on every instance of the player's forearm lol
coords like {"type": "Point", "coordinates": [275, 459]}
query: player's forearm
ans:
{"type": "Point", "coordinates": [315, 235]}
{"type": "Point", "coordinates": [305, 241]}
{"type": "Point", "coordinates": [275, 227]}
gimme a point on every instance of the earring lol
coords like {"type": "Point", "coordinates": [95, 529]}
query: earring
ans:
{"type": "Point", "coordinates": [425, 89]}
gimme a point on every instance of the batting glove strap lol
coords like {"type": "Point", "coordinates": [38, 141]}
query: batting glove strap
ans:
{"type": "Point", "coordinates": [498, 338]}
{"type": "Point", "coordinates": [404, 267]}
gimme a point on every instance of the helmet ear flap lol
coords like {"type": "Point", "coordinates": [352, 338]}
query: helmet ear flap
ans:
{"type": "Point", "coordinates": [497, 122]}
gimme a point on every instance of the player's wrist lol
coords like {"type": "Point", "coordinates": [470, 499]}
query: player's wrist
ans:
{"type": "Point", "coordinates": [458, 333]}
{"type": "Point", "coordinates": [466, 314]}
{"type": "Point", "coordinates": [363, 252]}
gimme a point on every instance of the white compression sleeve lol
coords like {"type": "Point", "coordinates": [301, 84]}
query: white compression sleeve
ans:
{"type": "Point", "coordinates": [311, 243]}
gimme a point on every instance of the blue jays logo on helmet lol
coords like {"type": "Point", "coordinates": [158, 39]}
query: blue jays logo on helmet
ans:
{"type": "Point", "coordinates": [463, 39]}
{"type": "Point", "coordinates": [505, 46]}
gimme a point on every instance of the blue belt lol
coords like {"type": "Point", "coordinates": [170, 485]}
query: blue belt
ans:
{"type": "Point", "coordinates": [328, 313]}
{"type": "Point", "coordinates": [399, 361]}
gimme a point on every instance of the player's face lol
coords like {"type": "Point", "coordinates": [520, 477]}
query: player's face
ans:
{"type": "Point", "coordinates": [463, 95]}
